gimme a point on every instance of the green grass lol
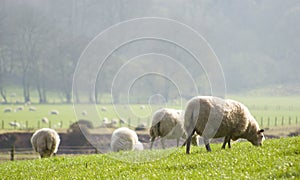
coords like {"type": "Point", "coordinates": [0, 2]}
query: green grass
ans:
{"type": "Point", "coordinates": [277, 159]}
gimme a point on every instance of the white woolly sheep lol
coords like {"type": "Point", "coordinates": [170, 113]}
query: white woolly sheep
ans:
{"type": "Point", "coordinates": [45, 141]}
{"type": "Point", "coordinates": [45, 120]}
{"type": "Point", "coordinates": [104, 109]}
{"type": "Point", "coordinates": [14, 124]}
{"type": "Point", "coordinates": [167, 124]}
{"type": "Point", "coordinates": [8, 109]}
{"type": "Point", "coordinates": [19, 108]}
{"type": "Point", "coordinates": [54, 112]}
{"type": "Point", "coordinates": [125, 139]}
{"type": "Point", "coordinates": [84, 113]}
{"type": "Point", "coordinates": [107, 124]}
{"type": "Point", "coordinates": [32, 109]}
{"type": "Point", "coordinates": [212, 117]}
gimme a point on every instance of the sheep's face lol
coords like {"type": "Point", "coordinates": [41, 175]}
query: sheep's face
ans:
{"type": "Point", "coordinates": [258, 138]}
{"type": "Point", "coordinates": [45, 154]}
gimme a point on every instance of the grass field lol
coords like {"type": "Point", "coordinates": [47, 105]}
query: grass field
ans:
{"type": "Point", "coordinates": [269, 111]}
{"type": "Point", "coordinates": [277, 159]}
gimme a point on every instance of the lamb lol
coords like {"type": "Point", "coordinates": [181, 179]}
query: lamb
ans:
{"type": "Point", "coordinates": [125, 139]}
{"type": "Point", "coordinates": [45, 141]}
{"type": "Point", "coordinates": [212, 117]}
{"type": "Point", "coordinates": [167, 124]}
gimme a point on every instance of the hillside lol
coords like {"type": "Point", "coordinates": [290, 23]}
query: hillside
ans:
{"type": "Point", "coordinates": [277, 159]}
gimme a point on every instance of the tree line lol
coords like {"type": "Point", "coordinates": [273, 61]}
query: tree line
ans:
{"type": "Point", "coordinates": [41, 42]}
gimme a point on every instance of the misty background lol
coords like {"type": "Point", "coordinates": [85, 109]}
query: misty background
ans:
{"type": "Point", "coordinates": [257, 43]}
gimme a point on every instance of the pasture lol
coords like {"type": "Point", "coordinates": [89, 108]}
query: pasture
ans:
{"type": "Point", "coordinates": [269, 112]}
{"type": "Point", "coordinates": [277, 159]}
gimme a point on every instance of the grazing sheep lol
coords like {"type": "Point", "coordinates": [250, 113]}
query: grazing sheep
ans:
{"type": "Point", "coordinates": [108, 124]}
{"type": "Point", "coordinates": [54, 112]}
{"type": "Point", "coordinates": [14, 124]}
{"type": "Point", "coordinates": [19, 108]}
{"type": "Point", "coordinates": [125, 139]}
{"type": "Point", "coordinates": [167, 124]}
{"type": "Point", "coordinates": [45, 120]}
{"type": "Point", "coordinates": [142, 107]}
{"type": "Point", "coordinates": [32, 109]}
{"type": "Point", "coordinates": [212, 117]}
{"type": "Point", "coordinates": [104, 109]}
{"type": "Point", "coordinates": [7, 110]}
{"type": "Point", "coordinates": [140, 127]}
{"type": "Point", "coordinates": [84, 113]}
{"type": "Point", "coordinates": [45, 141]}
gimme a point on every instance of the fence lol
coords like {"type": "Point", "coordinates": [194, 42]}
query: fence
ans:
{"type": "Point", "coordinates": [28, 153]}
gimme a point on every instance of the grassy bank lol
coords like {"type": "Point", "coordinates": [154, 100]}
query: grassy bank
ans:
{"type": "Point", "coordinates": [278, 158]}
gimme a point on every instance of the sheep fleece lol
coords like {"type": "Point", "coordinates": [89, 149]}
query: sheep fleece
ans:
{"type": "Point", "coordinates": [45, 141]}
{"type": "Point", "coordinates": [234, 118]}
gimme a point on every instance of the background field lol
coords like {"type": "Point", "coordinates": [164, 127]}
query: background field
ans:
{"type": "Point", "coordinates": [269, 112]}
{"type": "Point", "coordinates": [277, 159]}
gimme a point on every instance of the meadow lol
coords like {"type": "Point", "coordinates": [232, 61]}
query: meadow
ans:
{"type": "Point", "coordinates": [268, 111]}
{"type": "Point", "coordinates": [277, 159]}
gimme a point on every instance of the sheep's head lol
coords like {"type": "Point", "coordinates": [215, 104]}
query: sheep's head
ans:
{"type": "Point", "coordinates": [258, 138]}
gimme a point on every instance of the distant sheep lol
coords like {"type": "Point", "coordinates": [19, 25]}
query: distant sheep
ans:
{"type": "Point", "coordinates": [54, 112]}
{"type": "Point", "coordinates": [107, 124]}
{"type": "Point", "coordinates": [45, 120]}
{"type": "Point", "coordinates": [104, 109]}
{"type": "Point", "coordinates": [32, 109]}
{"type": "Point", "coordinates": [7, 110]}
{"type": "Point", "coordinates": [19, 108]}
{"type": "Point", "coordinates": [125, 139]}
{"type": "Point", "coordinates": [84, 113]}
{"type": "Point", "coordinates": [141, 127]}
{"type": "Point", "coordinates": [226, 118]}
{"type": "Point", "coordinates": [167, 124]}
{"type": "Point", "coordinates": [45, 141]}
{"type": "Point", "coordinates": [14, 124]}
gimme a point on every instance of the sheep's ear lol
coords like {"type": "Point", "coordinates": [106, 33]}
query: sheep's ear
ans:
{"type": "Point", "coordinates": [260, 131]}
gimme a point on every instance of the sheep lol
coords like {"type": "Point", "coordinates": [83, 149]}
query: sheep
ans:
{"type": "Point", "coordinates": [19, 108]}
{"type": "Point", "coordinates": [7, 110]}
{"type": "Point", "coordinates": [108, 124]}
{"type": "Point", "coordinates": [54, 112]}
{"type": "Point", "coordinates": [125, 139]}
{"type": "Point", "coordinates": [32, 109]}
{"type": "Point", "coordinates": [45, 120]}
{"type": "Point", "coordinates": [104, 109]}
{"type": "Point", "coordinates": [84, 113]}
{"type": "Point", "coordinates": [213, 117]}
{"type": "Point", "coordinates": [14, 124]}
{"type": "Point", "coordinates": [45, 141]}
{"type": "Point", "coordinates": [140, 127]}
{"type": "Point", "coordinates": [168, 124]}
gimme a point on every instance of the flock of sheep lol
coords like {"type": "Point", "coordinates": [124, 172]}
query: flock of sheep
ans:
{"type": "Point", "coordinates": [206, 116]}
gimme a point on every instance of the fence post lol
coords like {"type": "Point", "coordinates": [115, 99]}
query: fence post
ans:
{"type": "Point", "coordinates": [128, 122]}
{"type": "Point", "coordinates": [290, 119]}
{"type": "Point", "coordinates": [2, 124]}
{"type": "Point", "coordinates": [15, 124]}
{"type": "Point", "coordinates": [26, 124]}
{"type": "Point", "coordinates": [12, 153]}
{"type": "Point", "coordinates": [276, 121]}
{"type": "Point", "coordinates": [49, 124]}
{"type": "Point", "coordinates": [39, 125]}
{"type": "Point", "coordinates": [261, 122]}
{"type": "Point", "coordinates": [61, 124]}
{"type": "Point", "coordinates": [282, 120]}
{"type": "Point", "coordinates": [296, 119]}
{"type": "Point", "coordinates": [268, 120]}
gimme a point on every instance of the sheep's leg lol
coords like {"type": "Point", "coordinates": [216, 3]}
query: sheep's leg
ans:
{"type": "Point", "coordinates": [229, 146]}
{"type": "Point", "coordinates": [226, 140]}
{"type": "Point", "coordinates": [178, 141]}
{"type": "Point", "coordinates": [163, 143]}
{"type": "Point", "coordinates": [188, 142]}
{"type": "Point", "coordinates": [207, 146]}
{"type": "Point", "coordinates": [152, 141]}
